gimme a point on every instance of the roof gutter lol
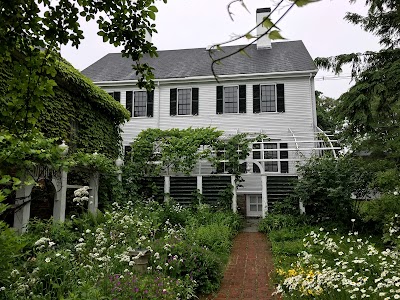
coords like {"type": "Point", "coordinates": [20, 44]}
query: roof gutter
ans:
{"type": "Point", "coordinates": [212, 78]}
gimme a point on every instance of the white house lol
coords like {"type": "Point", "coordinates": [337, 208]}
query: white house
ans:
{"type": "Point", "coordinates": [270, 91]}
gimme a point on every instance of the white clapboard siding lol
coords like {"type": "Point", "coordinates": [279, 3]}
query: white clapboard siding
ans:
{"type": "Point", "coordinates": [298, 113]}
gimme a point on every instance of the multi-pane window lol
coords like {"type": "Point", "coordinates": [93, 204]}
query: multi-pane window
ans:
{"type": "Point", "coordinates": [268, 98]}
{"type": "Point", "coordinates": [140, 104]}
{"type": "Point", "coordinates": [115, 95]}
{"type": "Point", "coordinates": [231, 99]}
{"type": "Point", "coordinates": [271, 166]}
{"type": "Point", "coordinates": [275, 155]}
{"type": "Point", "coordinates": [184, 101]}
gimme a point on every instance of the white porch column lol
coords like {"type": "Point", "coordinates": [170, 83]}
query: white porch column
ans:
{"type": "Point", "coordinates": [94, 193]}
{"type": "Point", "coordinates": [167, 187]}
{"type": "Point", "coordinates": [234, 196]}
{"type": "Point", "coordinates": [23, 205]}
{"type": "Point", "coordinates": [60, 199]}
{"type": "Point", "coordinates": [302, 208]}
{"type": "Point", "coordinates": [200, 184]}
{"type": "Point", "coordinates": [264, 195]}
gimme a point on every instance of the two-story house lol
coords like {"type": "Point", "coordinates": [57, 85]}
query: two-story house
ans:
{"type": "Point", "coordinates": [270, 91]}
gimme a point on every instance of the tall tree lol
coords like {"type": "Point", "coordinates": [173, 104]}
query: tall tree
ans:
{"type": "Point", "coordinates": [370, 110]}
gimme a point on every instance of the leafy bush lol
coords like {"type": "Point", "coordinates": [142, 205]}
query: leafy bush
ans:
{"type": "Point", "coordinates": [130, 286]}
{"type": "Point", "coordinates": [215, 237]}
{"type": "Point", "coordinates": [380, 211]}
{"type": "Point", "coordinates": [279, 221]}
{"type": "Point", "coordinates": [202, 265]}
{"type": "Point", "coordinates": [326, 186]}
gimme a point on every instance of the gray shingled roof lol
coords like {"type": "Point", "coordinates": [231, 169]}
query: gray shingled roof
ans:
{"type": "Point", "coordinates": [282, 57]}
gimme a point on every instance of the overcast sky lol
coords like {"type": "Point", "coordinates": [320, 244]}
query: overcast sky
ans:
{"type": "Point", "coordinates": [198, 23]}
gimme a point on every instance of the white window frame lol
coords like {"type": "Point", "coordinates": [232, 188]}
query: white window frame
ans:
{"type": "Point", "coordinates": [276, 98]}
{"type": "Point", "coordinates": [275, 150]}
{"type": "Point", "coordinates": [223, 99]}
{"type": "Point", "coordinates": [134, 100]}
{"type": "Point", "coordinates": [177, 101]}
{"type": "Point", "coordinates": [262, 151]}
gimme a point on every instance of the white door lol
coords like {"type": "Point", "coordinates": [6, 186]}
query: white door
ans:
{"type": "Point", "coordinates": [254, 205]}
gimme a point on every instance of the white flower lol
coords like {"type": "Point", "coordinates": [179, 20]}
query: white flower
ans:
{"type": "Point", "coordinates": [353, 220]}
{"type": "Point", "coordinates": [48, 259]}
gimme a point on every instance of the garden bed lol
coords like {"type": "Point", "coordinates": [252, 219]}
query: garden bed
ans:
{"type": "Point", "coordinates": [91, 257]}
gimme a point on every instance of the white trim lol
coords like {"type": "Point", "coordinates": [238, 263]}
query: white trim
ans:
{"type": "Point", "coordinates": [262, 76]}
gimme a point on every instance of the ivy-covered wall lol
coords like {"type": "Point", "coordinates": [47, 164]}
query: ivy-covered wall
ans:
{"type": "Point", "coordinates": [79, 112]}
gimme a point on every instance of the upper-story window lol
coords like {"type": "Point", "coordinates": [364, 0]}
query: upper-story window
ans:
{"type": "Point", "coordinates": [268, 98]}
{"type": "Point", "coordinates": [140, 103]}
{"type": "Point", "coordinates": [115, 95]}
{"type": "Point", "coordinates": [184, 102]}
{"type": "Point", "coordinates": [231, 99]}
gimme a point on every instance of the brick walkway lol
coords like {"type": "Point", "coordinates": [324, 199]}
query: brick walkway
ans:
{"type": "Point", "coordinates": [250, 267]}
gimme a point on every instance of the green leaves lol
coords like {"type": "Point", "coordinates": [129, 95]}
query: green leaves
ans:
{"type": "Point", "coordinates": [275, 35]}
{"type": "Point", "coordinates": [267, 23]}
{"type": "Point", "coordinates": [301, 3]}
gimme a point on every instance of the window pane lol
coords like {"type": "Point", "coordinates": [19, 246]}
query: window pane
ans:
{"type": "Point", "coordinates": [270, 154]}
{"type": "Point", "coordinates": [184, 101]}
{"type": "Point", "coordinates": [140, 103]}
{"type": "Point", "coordinates": [231, 99]}
{"type": "Point", "coordinates": [271, 166]}
{"type": "Point", "coordinates": [268, 100]}
{"type": "Point", "coordinates": [253, 207]}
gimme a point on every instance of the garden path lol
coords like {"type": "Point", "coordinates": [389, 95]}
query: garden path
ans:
{"type": "Point", "coordinates": [249, 270]}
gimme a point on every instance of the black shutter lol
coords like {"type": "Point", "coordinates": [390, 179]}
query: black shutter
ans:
{"type": "Point", "coordinates": [256, 99]}
{"type": "Point", "coordinates": [284, 155]}
{"type": "Point", "coordinates": [173, 94]}
{"type": "Point", "coordinates": [195, 101]}
{"type": "Point", "coordinates": [280, 91]}
{"type": "Point", "coordinates": [117, 96]}
{"type": "Point", "coordinates": [129, 101]}
{"type": "Point", "coordinates": [150, 103]}
{"type": "Point", "coordinates": [242, 99]}
{"type": "Point", "coordinates": [220, 99]}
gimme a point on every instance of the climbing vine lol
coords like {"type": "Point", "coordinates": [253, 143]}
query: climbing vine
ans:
{"type": "Point", "coordinates": [155, 152]}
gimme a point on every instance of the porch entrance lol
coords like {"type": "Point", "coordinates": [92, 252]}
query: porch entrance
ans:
{"type": "Point", "coordinates": [254, 205]}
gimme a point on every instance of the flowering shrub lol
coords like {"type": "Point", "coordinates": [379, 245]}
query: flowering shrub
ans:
{"type": "Point", "coordinates": [92, 257]}
{"type": "Point", "coordinates": [341, 267]}
{"type": "Point", "coordinates": [131, 286]}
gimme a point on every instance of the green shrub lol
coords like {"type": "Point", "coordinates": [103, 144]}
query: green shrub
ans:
{"type": "Point", "coordinates": [279, 221]}
{"type": "Point", "coordinates": [201, 264]}
{"type": "Point", "coordinates": [380, 211]}
{"type": "Point", "coordinates": [215, 237]}
{"type": "Point", "coordinates": [326, 187]}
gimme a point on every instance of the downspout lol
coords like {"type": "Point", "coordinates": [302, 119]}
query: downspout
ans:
{"type": "Point", "coordinates": [159, 104]}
